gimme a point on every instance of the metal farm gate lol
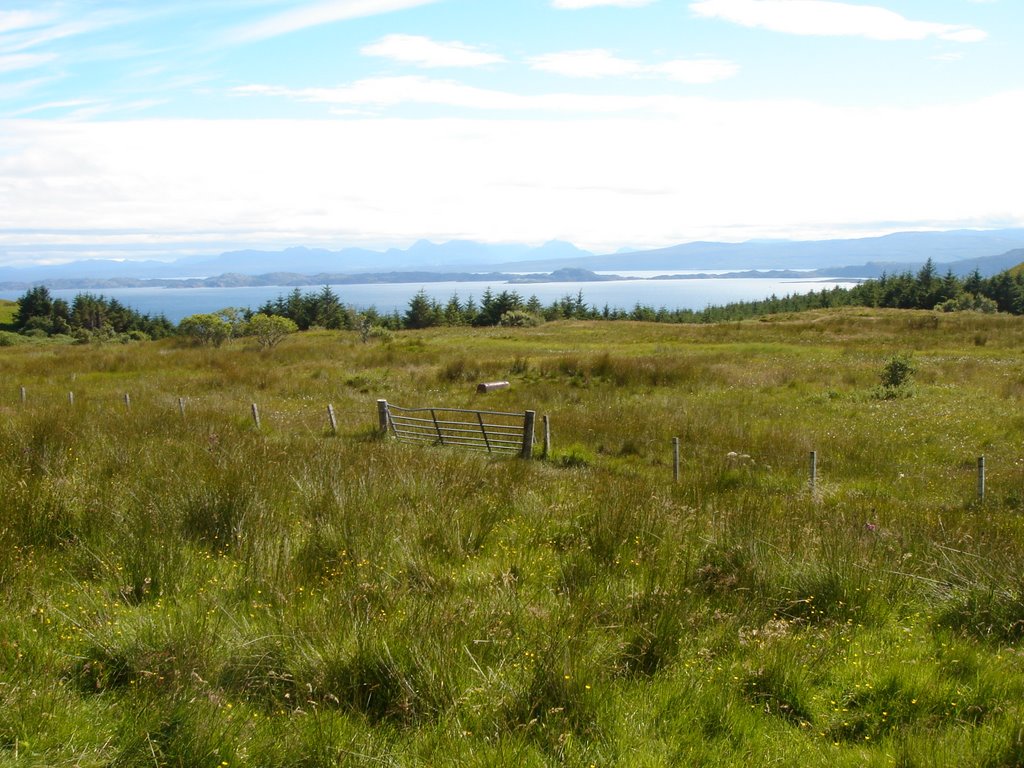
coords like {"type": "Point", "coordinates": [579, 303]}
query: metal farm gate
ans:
{"type": "Point", "coordinates": [491, 431]}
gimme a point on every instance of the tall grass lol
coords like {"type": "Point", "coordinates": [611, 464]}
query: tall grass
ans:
{"type": "Point", "coordinates": [189, 590]}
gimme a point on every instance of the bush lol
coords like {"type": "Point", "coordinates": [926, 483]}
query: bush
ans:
{"type": "Point", "coordinates": [269, 330]}
{"type": "Point", "coordinates": [205, 328]}
{"type": "Point", "coordinates": [8, 339]}
{"type": "Point", "coordinates": [969, 302]}
{"type": "Point", "coordinates": [379, 333]}
{"type": "Point", "coordinates": [897, 372]}
{"type": "Point", "coordinates": [519, 319]}
{"type": "Point", "coordinates": [574, 456]}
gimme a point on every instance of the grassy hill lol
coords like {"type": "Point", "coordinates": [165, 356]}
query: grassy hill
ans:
{"type": "Point", "coordinates": [184, 589]}
{"type": "Point", "coordinates": [7, 310]}
{"type": "Point", "coordinates": [1016, 270]}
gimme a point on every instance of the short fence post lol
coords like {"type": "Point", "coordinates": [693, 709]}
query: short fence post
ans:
{"type": "Point", "coordinates": [256, 415]}
{"type": "Point", "coordinates": [331, 417]}
{"type": "Point", "coordinates": [675, 459]}
{"type": "Point", "coordinates": [382, 415]}
{"type": "Point", "coordinates": [814, 471]}
{"type": "Point", "coordinates": [71, 398]}
{"type": "Point", "coordinates": [547, 436]}
{"type": "Point", "coordinates": [981, 478]}
{"type": "Point", "coordinates": [127, 401]}
{"type": "Point", "coordinates": [181, 406]}
{"type": "Point", "coordinates": [529, 420]}
{"type": "Point", "coordinates": [24, 395]}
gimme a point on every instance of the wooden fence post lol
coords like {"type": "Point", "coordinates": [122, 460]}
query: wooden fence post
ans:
{"type": "Point", "coordinates": [981, 478]}
{"type": "Point", "coordinates": [547, 436]}
{"type": "Point", "coordinates": [331, 417]}
{"type": "Point", "coordinates": [675, 459]}
{"type": "Point", "coordinates": [24, 396]}
{"type": "Point", "coordinates": [181, 406]}
{"type": "Point", "coordinates": [382, 416]}
{"type": "Point", "coordinates": [814, 471]}
{"type": "Point", "coordinates": [256, 415]}
{"type": "Point", "coordinates": [530, 418]}
{"type": "Point", "coordinates": [71, 398]}
{"type": "Point", "coordinates": [127, 401]}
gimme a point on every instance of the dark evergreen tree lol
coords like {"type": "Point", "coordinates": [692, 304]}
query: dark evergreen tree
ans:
{"type": "Point", "coordinates": [35, 310]}
{"type": "Point", "coordinates": [423, 312]}
{"type": "Point", "coordinates": [88, 312]}
{"type": "Point", "coordinates": [453, 311]}
{"type": "Point", "coordinates": [329, 312]}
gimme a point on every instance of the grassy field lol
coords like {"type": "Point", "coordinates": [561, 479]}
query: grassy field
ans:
{"type": "Point", "coordinates": [191, 591]}
{"type": "Point", "coordinates": [7, 310]}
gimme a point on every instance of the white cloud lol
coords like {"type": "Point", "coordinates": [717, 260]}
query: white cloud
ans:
{"type": "Point", "coordinates": [54, 105]}
{"type": "Point", "coordinates": [822, 17]}
{"type": "Point", "coordinates": [427, 53]}
{"type": "Point", "coordinates": [15, 61]}
{"type": "Point", "coordinates": [575, 5]}
{"type": "Point", "coordinates": [316, 14]}
{"type": "Point", "coordinates": [774, 168]}
{"type": "Point", "coordinates": [17, 20]}
{"type": "Point", "coordinates": [382, 92]}
{"type": "Point", "coordinates": [697, 71]}
{"type": "Point", "coordinates": [45, 28]}
{"type": "Point", "coordinates": [601, 63]}
{"type": "Point", "coordinates": [588, 63]}
{"type": "Point", "coordinates": [21, 88]}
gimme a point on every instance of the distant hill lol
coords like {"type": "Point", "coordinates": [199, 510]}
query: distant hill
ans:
{"type": "Point", "coordinates": [1017, 268]}
{"type": "Point", "coordinates": [987, 266]}
{"type": "Point", "coordinates": [456, 255]}
{"type": "Point", "coordinates": [901, 248]}
{"type": "Point", "coordinates": [960, 250]}
{"type": "Point", "coordinates": [298, 280]}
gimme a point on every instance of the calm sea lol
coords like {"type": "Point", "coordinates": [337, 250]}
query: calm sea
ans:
{"type": "Point", "coordinates": [176, 303]}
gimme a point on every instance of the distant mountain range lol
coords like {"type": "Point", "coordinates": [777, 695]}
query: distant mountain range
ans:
{"type": "Point", "coordinates": [453, 256]}
{"type": "Point", "coordinates": [298, 280]}
{"type": "Point", "coordinates": [887, 253]}
{"type": "Point", "coordinates": [959, 251]}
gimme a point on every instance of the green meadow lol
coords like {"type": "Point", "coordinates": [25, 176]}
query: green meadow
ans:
{"type": "Point", "coordinates": [7, 311]}
{"type": "Point", "coordinates": [180, 588]}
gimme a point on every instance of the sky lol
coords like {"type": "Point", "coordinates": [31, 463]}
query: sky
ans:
{"type": "Point", "coordinates": [162, 128]}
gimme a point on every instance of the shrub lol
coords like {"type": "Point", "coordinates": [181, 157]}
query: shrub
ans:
{"type": "Point", "coordinates": [896, 377]}
{"type": "Point", "coordinates": [969, 302]}
{"type": "Point", "coordinates": [460, 369]}
{"type": "Point", "coordinates": [206, 328]}
{"type": "Point", "coordinates": [519, 319]}
{"type": "Point", "coordinates": [369, 332]}
{"type": "Point", "coordinates": [574, 456]}
{"type": "Point", "coordinates": [269, 330]}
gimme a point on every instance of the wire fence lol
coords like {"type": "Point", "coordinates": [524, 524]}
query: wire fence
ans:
{"type": "Point", "coordinates": [494, 432]}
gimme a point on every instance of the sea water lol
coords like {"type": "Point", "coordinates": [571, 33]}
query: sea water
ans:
{"type": "Point", "coordinates": [681, 293]}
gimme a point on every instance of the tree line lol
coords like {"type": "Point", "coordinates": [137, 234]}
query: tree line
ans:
{"type": "Point", "coordinates": [88, 317]}
{"type": "Point", "coordinates": [925, 289]}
